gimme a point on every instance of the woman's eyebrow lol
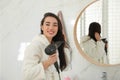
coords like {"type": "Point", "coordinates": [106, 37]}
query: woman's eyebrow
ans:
{"type": "Point", "coordinates": [47, 22]}
{"type": "Point", "coordinates": [53, 23]}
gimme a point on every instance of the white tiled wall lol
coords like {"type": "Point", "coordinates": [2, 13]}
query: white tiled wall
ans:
{"type": "Point", "coordinates": [19, 23]}
{"type": "Point", "coordinates": [0, 60]}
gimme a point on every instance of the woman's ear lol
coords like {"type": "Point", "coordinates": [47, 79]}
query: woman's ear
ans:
{"type": "Point", "coordinates": [42, 28]}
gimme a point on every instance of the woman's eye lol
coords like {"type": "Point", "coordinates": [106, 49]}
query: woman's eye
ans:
{"type": "Point", "coordinates": [55, 25]}
{"type": "Point", "coordinates": [47, 24]}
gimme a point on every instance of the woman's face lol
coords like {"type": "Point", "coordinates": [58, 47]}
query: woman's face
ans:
{"type": "Point", "coordinates": [50, 27]}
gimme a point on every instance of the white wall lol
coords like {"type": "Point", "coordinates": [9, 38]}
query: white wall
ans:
{"type": "Point", "coordinates": [20, 23]}
{"type": "Point", "coordinates": [0, 59]}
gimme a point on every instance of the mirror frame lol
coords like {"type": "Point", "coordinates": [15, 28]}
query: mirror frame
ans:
{"type": "Point", "coordinates": [77, 43]}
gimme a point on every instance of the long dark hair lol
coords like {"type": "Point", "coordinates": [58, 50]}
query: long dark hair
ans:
{"type": "Point", "coordinates": [94, 27]}
{"type": "Point", "coordinates": [59, 37]}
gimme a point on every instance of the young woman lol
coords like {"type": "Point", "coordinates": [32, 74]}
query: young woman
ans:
{"type": "Point", "coordinates": [37, 64]}
{"type": "Point", "coordinates": [93, 45]}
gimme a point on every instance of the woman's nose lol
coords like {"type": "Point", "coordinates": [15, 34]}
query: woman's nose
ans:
{"type": "Point", "coordinates": [51, 27]}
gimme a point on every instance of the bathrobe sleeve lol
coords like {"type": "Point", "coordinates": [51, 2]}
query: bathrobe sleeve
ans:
{"type": "Point", "coordinates": [32, 66]}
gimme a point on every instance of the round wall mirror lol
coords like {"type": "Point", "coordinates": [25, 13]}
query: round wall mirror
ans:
{"type": "Point", "coordinates": [105, 14]}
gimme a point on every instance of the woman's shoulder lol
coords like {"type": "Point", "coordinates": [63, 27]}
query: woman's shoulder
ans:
{"type": "Point", "coordinates": [84, 39]}
{"type": "Point", "coordinates": [41, 39]}
{"type": "Point", "coordinates": [37, 37]}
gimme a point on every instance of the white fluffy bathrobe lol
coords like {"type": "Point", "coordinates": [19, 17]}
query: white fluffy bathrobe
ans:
{"type": "Point", "coordinates": [34, 55]}
{"type": "Point", "coordinates": [94, 49]}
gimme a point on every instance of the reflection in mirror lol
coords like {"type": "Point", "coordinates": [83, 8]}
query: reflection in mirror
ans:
{"type": "Point", "coordinates": [93, 45]}
{"type": "Point", "coordinates": [106, 13]}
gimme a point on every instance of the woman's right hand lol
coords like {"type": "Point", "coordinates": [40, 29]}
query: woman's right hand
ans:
{"type": "Point", "coordinates": [51, 60]}
{"type": "Point", "coordinates": [97, 36]}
